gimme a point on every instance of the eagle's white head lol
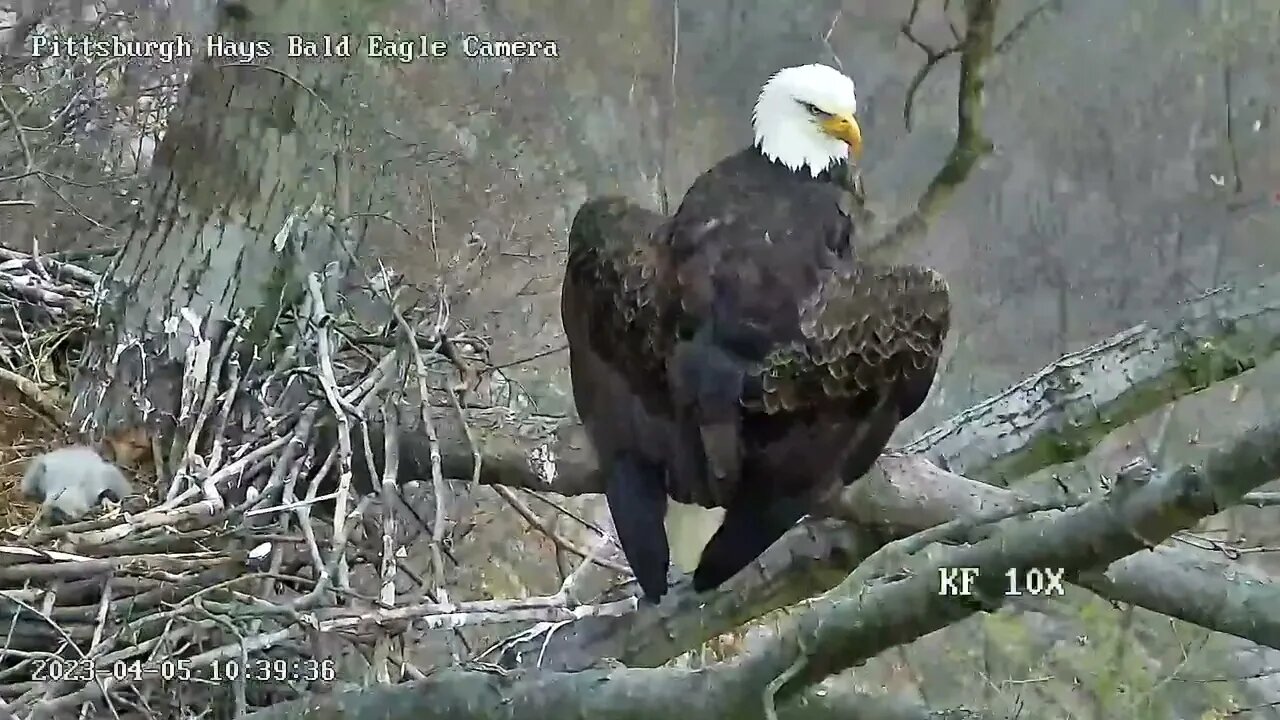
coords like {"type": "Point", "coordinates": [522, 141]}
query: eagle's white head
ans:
{"type": "Point", "coordinates": [805, 118]}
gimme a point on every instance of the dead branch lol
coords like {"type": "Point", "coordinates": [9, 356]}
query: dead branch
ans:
{"type": "Point", "coordinates": [208, 572]}
{"type": "Point", "coordinates": [932, 56]}
{"type": "Point", "coordinates": [1020, 27]}
{"type": "Point", "coordinates": [851, 623]}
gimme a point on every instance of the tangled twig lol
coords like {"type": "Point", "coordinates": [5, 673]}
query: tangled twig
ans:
{"type": "Point", "coordinates": [244, 554]}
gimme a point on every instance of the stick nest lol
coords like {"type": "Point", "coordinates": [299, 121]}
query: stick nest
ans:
{"type": "Point", "coordinates": [224, 585]}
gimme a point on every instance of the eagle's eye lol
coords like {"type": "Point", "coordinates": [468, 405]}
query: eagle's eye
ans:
{"type": "Point", "coordinates": [814, 110]}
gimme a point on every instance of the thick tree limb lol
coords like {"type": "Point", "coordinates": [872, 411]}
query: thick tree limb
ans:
{"type": "Point", "coordinates": [1198, 586]}
{"type": "Point", "coordinates": [907, 494]}
{"type": "Point", "coordinates": [1075, 401]}
{"type": "Point", "coordinates": [851, 624]}
{"type": "Point", "coordinates": [1060, 413]}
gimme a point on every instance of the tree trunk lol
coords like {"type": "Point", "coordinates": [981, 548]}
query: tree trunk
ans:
{"type": "Point", "coordinates": [243, 202]}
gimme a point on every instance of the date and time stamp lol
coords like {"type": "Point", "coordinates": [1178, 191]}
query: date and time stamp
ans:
{"type": "Point", "coordinates": [952, 581]}
{"type": "Point", "coordinates": [178, 670]}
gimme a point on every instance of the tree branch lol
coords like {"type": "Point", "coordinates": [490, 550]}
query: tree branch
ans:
{"type": "Point", "coordinates": [850, 624]}
{"type": "Point", "coordinates": [1061, 412]}
{"type": "Point", "coordinates": [903, 496]}
{"type": "Point", "coordinates": [1197, 586]}
{"type": "Point", "coordinates": [932, 56]}
{"type": "Point", "coordinates": [1068, 406]}
{"type": "Point", "coordinates": [478, 694]}
{"type": "Point", "coordinates": [971, 144]}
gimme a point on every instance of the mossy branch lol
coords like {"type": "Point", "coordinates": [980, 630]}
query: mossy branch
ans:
{"type": "Point", "coordinates": [971, 144]}
{"type": "Point", "coordinates": [1061, 412]}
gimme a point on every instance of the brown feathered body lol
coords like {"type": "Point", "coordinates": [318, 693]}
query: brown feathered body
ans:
{"type": "Point", "coordinates": [739, 355]}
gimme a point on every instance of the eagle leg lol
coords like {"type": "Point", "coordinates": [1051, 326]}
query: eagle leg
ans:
{"type": "Point", "coordinates": [637, 498]}
{"type": "Point", "coordinates": [753, 521]}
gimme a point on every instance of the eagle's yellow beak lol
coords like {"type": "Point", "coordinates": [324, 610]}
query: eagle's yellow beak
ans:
{"type": "Point", "coordinates": [844, 127]}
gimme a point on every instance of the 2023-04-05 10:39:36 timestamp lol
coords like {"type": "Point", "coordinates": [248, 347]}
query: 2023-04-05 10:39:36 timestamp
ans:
{"type": "Point", "coordinates": [301, 669]}
{"type": "Point", "coordinates": [86, 670]}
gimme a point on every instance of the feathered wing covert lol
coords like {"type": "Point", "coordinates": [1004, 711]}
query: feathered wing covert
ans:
{"type": "Point", "coordinates": [613, 307]}
{"type": "Point", "coordinates": [731, 356]}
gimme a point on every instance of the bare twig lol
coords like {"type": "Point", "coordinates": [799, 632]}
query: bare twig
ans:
{"type": "Point", "coordinates": [932, 56]}
{"type": "Point", "coordinates": [970, 145]}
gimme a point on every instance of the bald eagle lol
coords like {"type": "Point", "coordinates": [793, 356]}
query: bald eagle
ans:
{"type": "Point", "coordinates": [737, 359]}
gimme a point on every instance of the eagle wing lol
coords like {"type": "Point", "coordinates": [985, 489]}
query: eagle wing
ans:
{"type": "Point", "coordinates": [866, 330]}
{"type": "Point", "coordinates": [614, 307]}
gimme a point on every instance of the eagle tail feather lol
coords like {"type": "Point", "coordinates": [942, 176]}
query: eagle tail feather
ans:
{"type": "Point", "coordinates": [706, 383]}
{"type": "Point", "coordinates": [870, 440]}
